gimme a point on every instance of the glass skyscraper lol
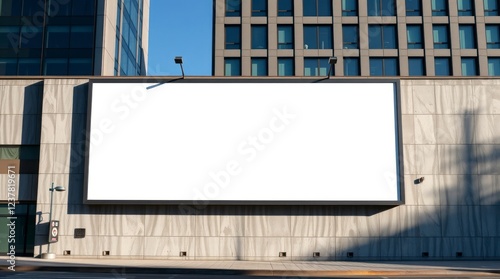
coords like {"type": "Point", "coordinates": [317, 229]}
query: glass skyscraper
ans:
{"type": "Point", "coordinates": [73, 37]}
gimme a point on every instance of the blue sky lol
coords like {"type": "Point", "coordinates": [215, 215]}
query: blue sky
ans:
{"type": "Point", "coordinates": [180, 28]}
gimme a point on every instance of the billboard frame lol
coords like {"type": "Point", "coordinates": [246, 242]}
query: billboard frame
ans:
{"type": "Point", "coordinates": [162, 80]}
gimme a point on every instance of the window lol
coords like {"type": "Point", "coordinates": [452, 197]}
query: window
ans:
{"type": "Point", "coordinates": [382, 36]}
{"type": "Point", "coordinates": [381, 8]}
{"type": "Point", "coordinates": [83, 37]}
{"type": "Point", "coordinates": [413, 7]}
{"type": "Point", "coordinates": [9, 37]}
{"type": "Point", "coordinates": [351, 66]}
{"type": "Point", "coordinates": [83, 8]}
{"type": "Point", "coordinates": [493, 36]}
{"type": "Point", "coordinates": [494, 66]}
{"type": "Point", "coordinates": [259, 7]}
{"type": "Point", "coordinates": [316, 67]}
{"type": "Point", "coordinates": [56, 67]}
{"type": "Point", "coordinates": [80, 66]}
{"type": "Point", "coordinates": [259, 67]}
{"type": "Point", "coordinates": [233, 37]}
{"type": "Point", "coordinates": [442, 66]}
{"type": "Point", "coordinates": [31, 37]}
{"type": "Point", "coordinates": [233, 7]}
{"type": "Point", "coordinates": [24, 215]}
{"type": "Point", "coordinates": [491, 8]}
{"type": "Point", "coordinates": [414, 36]}
{"type": "Point", "coordinates": [29, 67]}
{"type": "Point", "coordinates": [317, 36]}
{"type": "Point", "coordinates": [383, 66]}
{"type": "Point", "coordinates": [32, 7]}
{"type": "Point", "coordinates": [285, 67]}
{"type": "Point", "coordinates": [8, 66]}
{"type": "Point", "coordinates": [317, 7]}
{"type": "Point", "coordinates": [57, 37]}
{"type": "Point", "coordinates": [259, 36]}
{"type": "Point", "coordinates": [285, 37]}
{"type": "Point", "coordinates": [349, 8]}
{"type": "Point", "coordinates": [350, 36]}
{"type": "Point", "coordinates": [465, 8]}
{"type": "Point", "coordinates": [285, 7]}
{"type": "Point", "coordinates": [416, 66]}
{"type": "Point", "coordinates": [439, 7]}
{"type": "Point", "coordinates": [467, 36]}
{"type": "Point", "coordinates": [232, 67]}
{"type": "Point", "coordinates": [10, 8]}
{"type": "Point", "coordinates": [440, 36]}
{"type": "Point", "coordinates": [469, 66]}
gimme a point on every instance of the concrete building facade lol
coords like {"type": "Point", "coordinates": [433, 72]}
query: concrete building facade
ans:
{"type": "Point", "coordinates": [451, 138]}
{"type": "Point", "coordinates": [85, 37]}
{"type": "Point", "coordinates": [368, 37]}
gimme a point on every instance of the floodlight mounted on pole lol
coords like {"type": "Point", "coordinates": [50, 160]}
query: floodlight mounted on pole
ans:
{"type": "Point", "coordinates": [331, 61]}
{"type": "Point", "coordinates": [178, 60]}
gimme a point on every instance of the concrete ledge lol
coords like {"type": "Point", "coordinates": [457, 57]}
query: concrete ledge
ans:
{"type": "Point", "coordinates": [297, 269]}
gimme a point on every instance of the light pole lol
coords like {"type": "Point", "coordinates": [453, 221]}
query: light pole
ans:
{"type": "Point", "coordinates": [50, 255]}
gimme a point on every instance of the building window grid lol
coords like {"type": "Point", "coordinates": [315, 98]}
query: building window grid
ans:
{"type": "Point", "coordinates": [493, 66]}
{"type": "Point", "coordinates": [286, 66]}
{"type": "Point", "coordinates": [259, 36]}
{"type": "Point", "coordinates": [492, 36]}
{"type": "Point", "coordinates": [349, 8]}
{"type": "Point", "coordinates": [351, 66]}
{"type": "Point", "coordinates": [439, 7]}
{"type": "Point", "coordinates": [469, 66]}
{"type": "Point", "coordinates": [131, 38]}
{"type": "Point", "coordinates": [350, 36]}
{"type": "Point", "coordinates": [441, 36]}
{"type": "Point", "coordinates": [442, 66]}
{"type": "Point", "coordinates": [384, 66]}
{"type": "Point", "coordinates": [491, 8]}
{"type": "Point", "coordinates": [259, 66]}
{"type": "Point", "coordinates": [285, 36]}
{"type": "Point", "coordinates": [442, 41]}
{"type": "Point", "coordinates": [233, 8]}
{"type": "Point", "coordinates": [413, 7]}
{"type": "Point", "coordinates": [117, 41]}
{"type": "Point", "coordinates": [318, 37]}
{"type": "Point", "coordinates": [414, 36]}
{"type": "Point", "coordinates": [316, 66]}
{"type": "Point", "coordinates": [232, 37]}
{"type": "Point", "coordinates": [381, 7]}
{"type": "Point", "coordinates": [31, 46]}
{"type": "Point", "coordinates": [285, 7]}
{"type": "Point", "coordinates": [317, 7]}
{"type": "Point", "coordinates": [232, 67]}
{"type": "Point", "coordinates": [382, 36]}
{"type": "Point", "coordinates": [259, 7]}
{"type": "Point", "coordinates": [467, 36]}
{"type": "Point", "coordinates": [465, 7]}
{"type": "Point", "coordinates": [416, 66]}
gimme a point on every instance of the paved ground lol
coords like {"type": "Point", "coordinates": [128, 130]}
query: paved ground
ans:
{"type": "Point", "coordinates": [289, 269]}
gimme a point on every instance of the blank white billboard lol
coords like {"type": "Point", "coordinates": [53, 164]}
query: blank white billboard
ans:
{"type": "Point", "coordinates": [243, 142]}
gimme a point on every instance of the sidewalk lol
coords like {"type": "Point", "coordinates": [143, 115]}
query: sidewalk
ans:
{"type": "Point", "coordinates": [262, 268]}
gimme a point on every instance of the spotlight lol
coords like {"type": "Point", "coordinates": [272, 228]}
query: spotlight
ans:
{"type": "Point", "coordinates": [419, 180]}
{"type": "Point", "coordinates": [178, 60]}
{"type": "Point", "coordinates": [332, 61]}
